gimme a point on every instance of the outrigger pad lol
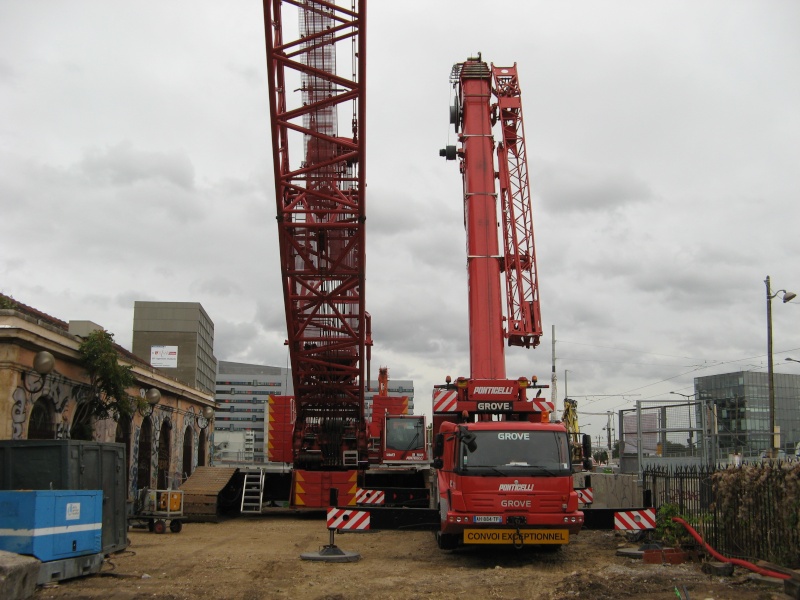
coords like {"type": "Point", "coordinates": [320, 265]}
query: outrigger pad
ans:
{"type": "Point", "coordinates": [332, 554]}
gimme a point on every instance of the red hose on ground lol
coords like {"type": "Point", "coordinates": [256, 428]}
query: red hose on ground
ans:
{"type": "Point", "coordinates": [735, 561]}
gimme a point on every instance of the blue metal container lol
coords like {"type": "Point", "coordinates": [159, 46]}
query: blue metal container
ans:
{"type": "Point", "coordinates": [51, 524]}
{"type": "Point", "coordinates": [72, 465]}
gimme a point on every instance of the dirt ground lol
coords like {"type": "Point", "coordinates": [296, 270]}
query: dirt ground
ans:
{"type": "Point", "coordinates": [254, 558]}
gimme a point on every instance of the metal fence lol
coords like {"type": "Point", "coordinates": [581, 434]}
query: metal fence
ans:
{"type": "Point", "coordinates": [658, 433]}
{"type": "Point", "coordinates": [750, 511]}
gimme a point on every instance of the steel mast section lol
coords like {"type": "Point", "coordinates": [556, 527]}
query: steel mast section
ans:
{"type": "Point", "coordinates": [319, 192]}
{"type": "Point", "coordinates": [471, 115]}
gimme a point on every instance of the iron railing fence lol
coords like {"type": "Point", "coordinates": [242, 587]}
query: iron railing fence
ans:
{"type": "Point", "coordinates": [750, 511]}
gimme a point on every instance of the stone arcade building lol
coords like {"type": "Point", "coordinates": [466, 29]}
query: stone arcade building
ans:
{"type": "Point", "coordinates": [42, 384]}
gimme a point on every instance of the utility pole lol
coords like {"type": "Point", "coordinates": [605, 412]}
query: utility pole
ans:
{"type": "Point", "coordinates": [553, 378]}
{"type": "Point", "coordinates": [774, 432]}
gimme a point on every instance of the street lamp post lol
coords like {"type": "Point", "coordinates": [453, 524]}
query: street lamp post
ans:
{"type": "Point", "coordinates": [787, 296]}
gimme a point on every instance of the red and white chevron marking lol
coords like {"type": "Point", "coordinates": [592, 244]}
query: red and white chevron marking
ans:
{"type": "Point", "coordinates": [351, 520]}
{"type": "Point", "coordinates": [543, 405]}
{"type": "Point", "coordinates": [445, 400]}
{"type": "Point", "coordinates": [585, 496]}
{"type": "Point", "coordinates": [633, 520]}
{"type": "Point", "coordinates": [370, 496]}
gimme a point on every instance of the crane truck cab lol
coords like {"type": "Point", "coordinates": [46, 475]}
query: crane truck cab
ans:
{"type": "Point", "coordinates": [503, 470]}
{"type": "Point", "coordinates": [403, 440]}
{"type": "Point", "coordinates": [505, 482]}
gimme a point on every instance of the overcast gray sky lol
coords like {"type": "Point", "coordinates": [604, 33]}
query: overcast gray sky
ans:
{"type": "Point", "coordinates": [663, 141]}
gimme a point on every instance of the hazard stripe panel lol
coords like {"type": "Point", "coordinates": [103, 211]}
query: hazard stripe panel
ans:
{"type": "Point", "coordinates": [350, 520]}
{"type": "Point", "coordinates": [543, 405]}
{"type": "Point", "coordinates": [370, 496]}
{"type": "Point", "coordinates": [585, 496]}
{"type": "Point", "coordinates": [445, 400]}
{"type": "Point", "coordinates": [634, 520]}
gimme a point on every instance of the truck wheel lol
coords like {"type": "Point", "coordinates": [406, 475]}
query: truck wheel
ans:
{"type": "Point", "coordinates": [175, 526]}
{"type": "Point", "coordinates": [159, 526]}
{"type": "Point", "coordinates": [446, 541]}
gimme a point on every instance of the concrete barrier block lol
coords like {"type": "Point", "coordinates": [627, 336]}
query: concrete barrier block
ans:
{"type": "Point", "coordinates": [18, 575]}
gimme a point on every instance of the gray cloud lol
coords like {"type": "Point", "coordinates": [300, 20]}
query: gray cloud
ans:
{"type": "Point", "coordinates": [122, 164]}
{"type": "Point", "coordinates": [7, 74]}
{"type": "Point", "coordinates": [569, 188]}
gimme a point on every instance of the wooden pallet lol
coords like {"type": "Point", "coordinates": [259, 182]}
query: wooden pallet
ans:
{"type": "Point", "coordinates": [201, 492]}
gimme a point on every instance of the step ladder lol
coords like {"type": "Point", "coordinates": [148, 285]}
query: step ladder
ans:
{"type": "Point", "coordinates": [252, 492]}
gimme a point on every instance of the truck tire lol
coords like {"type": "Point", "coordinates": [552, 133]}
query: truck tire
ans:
{"type": "Point", "coordinates": [446, 541]}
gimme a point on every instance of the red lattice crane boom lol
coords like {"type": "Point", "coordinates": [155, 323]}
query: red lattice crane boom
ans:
{"type": "Point", "coordinates": [319, 193]}
{"type": "Point", "coordinates": [524, 319]}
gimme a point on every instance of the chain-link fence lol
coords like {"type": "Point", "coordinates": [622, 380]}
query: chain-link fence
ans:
{"type": "Point", "coordinates": [658, 433]}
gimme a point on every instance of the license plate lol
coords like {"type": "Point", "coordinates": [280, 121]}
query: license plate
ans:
{"type": "Point", "coordinates": [510, 536]}
{"type": "Point", "coordinates": [489, 519]}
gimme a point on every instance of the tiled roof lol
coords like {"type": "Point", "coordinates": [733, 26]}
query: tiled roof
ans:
{"type": "Point", "coordinates": [63, 325]}
{"type": "Point", "coordinates": [36, 314]}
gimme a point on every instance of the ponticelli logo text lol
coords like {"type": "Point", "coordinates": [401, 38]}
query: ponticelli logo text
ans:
{"type": "Point", "coordinates": [516, 487]}
{"type": "Point", "coordinates": [488, 389]}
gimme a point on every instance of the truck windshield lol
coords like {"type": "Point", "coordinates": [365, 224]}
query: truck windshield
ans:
{"type": "Point", "coordinates": [405, 434]}
{"type": "Point", "coordinates": [516, 453]}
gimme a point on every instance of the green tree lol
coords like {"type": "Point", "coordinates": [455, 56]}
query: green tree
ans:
{"type": "Point", "coordinates": [108, 382]}
{"type": "Point", "coordinates": [615, 451]}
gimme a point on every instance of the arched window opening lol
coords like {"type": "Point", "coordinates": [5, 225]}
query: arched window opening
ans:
{"type": "Point", "coordinates": [164, 451]}
{"type": "Point", "coordinates": [82, 423]}
{"type": "Point", "coordinates": [41, 425]}
{"type": "Point", "coordinates": [188, 445]}
{"type": "Point", "coordinates": [123, 436]}
{"type": "Point", "coordinates": [201, 449]}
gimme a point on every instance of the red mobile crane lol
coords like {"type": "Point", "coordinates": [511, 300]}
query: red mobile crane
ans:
{"type": "Point", "coordinates": [396, 438]}
{"type": "Point", "coordinates": [503, 471]}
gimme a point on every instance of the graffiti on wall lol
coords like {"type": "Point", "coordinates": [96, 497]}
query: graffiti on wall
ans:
{"type": "Point", "coordinates": [154, 441]}
{"type": "Point", "coordinates": [19, 414]}
{"type": "Point", "coordinates": [61, 395]}
{"type": "Point", "coordinates": [57, 389]}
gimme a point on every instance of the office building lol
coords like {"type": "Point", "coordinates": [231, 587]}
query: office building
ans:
{"type": "Point", "coordinates": [177, 338]}
{"type": "Point", "coordinates": [242, 392]}
{"type": "Point", "coordinates": [740, 402]}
